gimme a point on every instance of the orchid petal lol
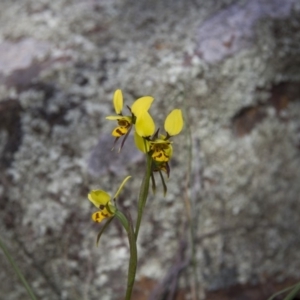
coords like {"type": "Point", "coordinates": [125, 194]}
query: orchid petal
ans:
{"type": "Point", "coordinates": [118, 101]}
{"type": "Point", "coordinates": [100, 215]}
{"type": "Point", "coordinates": [141, 104]}
{"type": "Point", "coordinates": [141, 143]}
{"type": "Point", "coordinates": [174, 122]}
{"type": "Point", "coordinates": [99, 198]}
{"type": "Point", "coordinates": [144, 124]}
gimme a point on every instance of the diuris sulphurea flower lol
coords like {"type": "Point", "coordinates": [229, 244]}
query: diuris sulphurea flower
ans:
{"type": "Point", "coordinates": [159, 147]}
{"type": "Point", "coordinates": [139, 114]}
{"type": "Point", "coordinates": [102, 200]}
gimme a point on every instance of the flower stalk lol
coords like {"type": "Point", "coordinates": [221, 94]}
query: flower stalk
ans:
{"type": "Point", "coordinates": [144, 190]}
{"type": "Point", "coordinates": [127, 224]}
{"type": "Point", "coordinates": [132, 263]}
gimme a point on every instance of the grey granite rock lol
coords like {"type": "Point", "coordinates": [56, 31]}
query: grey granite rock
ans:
{"type": "Point", "coordinates": [236, 167]}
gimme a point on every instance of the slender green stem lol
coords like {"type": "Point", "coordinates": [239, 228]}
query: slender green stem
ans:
{"type": "Point", "coordinates": [127, 224]}
{"type": "Point", "coordinates": [132, 263]}
{"type": "Point", "coordinates": [17, 270]}
{"type": "Point", "coordinates": [293, 292]}
{"type": "Point", "coordinates": [143, 195]}
{"type": "Point", "coordinates": [133, 234]}
{"type": "Point", "coordinates": [284, 291]}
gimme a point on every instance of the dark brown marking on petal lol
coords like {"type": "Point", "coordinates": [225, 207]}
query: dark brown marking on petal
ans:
{"type": "Point", "coordinates": [118, 131]}
{"type": "Point", "coordinates": [97, 217]}
{"type": "Point", "coordinates": [101, 206]}
{"type": "Point", "coordinates": [124, 123]}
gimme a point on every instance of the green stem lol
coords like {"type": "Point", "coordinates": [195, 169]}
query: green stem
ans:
{"type": "Point", "coordinates": [132, 235]}
{"type": "Point", "coordinates": [17, 270]}
{"type": "Point", "coordinates": [132, 263]}
{"type": "Point", "coordinates": [283, 291]}
{"type": "Point", "coordinates": [143, 195]}
{"type": "Point", "coordinates": [293, 293]}
{"type": "Point", "coordinates": [133, 253]}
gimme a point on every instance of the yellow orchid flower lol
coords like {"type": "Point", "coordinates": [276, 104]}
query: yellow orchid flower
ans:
{"type": "Point", "coordinates": [124, 125]}
{"type": "Point", "coordinates": [124, 122]}
{"type": "Point", "coordinates": [139, 114]}
{"type": "Point", "coordinates": [102, 200]}
{"type": "Point", "coordinates": [160, 148]}
{"type": "Point", "coordinates": [161, 151]}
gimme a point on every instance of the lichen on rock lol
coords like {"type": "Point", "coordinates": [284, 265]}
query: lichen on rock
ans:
{"type": "Point", "coordinates": [239, 172]}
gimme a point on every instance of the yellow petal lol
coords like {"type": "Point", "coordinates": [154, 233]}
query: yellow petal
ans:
{"type": "Point", "coordinates": [141, 104]}
{"type": "Point", "coordinates": [119, 118]}
{"type": "Point", "coordinates": [161, 150]}
{"type": "Point", "coordinates": [160, 156]}
{"type": "Point", "coordinates": [98, 197]}
{"type": "Point", "coordinates": [100, 215]}
{"type": "Point", "coordinates": [144, 124]}
{"type": "Point", "coordinates": [141, 143]}
{"type": "Point", "coordinates": [113, 118]}
{"type": "Point", "coordinates": [121, 187]}
{"type": "Point", "coordinates": [174, 122]}
{"type": "Point", "coordinates": [119, 131]}
{"type": "Point", "coordinates": [118, 101]}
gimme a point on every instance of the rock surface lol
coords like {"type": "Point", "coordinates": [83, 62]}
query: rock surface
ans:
{"type": "Point", "coordinates": [231, 66]}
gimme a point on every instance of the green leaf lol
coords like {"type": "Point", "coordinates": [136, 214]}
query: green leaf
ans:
{"type": "Point", "coordinates": [121, 186]}
{"type": "Point", "coordinates": [103, 229]}
{"type": "Point", "coordinates": [293, 292]}
{"type": "Point", "coordinates": [123, 219]}
{"type": "Point", "coordinates": [132, 261]}
{"type": "Point", "coordinates": [144, 190]}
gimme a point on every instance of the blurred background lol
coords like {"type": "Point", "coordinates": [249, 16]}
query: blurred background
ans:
{"type": "Point", "coordinates": [229, 225]}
